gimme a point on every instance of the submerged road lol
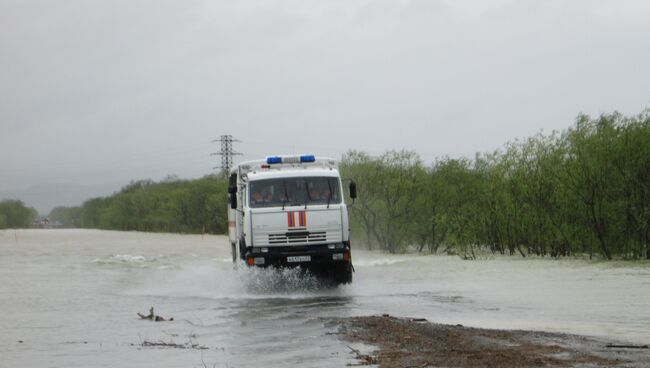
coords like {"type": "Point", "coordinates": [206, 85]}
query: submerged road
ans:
{"type": "Point", "coordinates": [69, 298]}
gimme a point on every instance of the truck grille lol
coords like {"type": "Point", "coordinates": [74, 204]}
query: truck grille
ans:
{"type": "Point", "coordinates": [298, 237]}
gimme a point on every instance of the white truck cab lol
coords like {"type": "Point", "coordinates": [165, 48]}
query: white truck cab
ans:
{"type": "Point", "coordinates": [290, 211]}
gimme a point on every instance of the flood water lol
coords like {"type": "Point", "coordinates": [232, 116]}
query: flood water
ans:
{"type": "Point", "coordinates": [71, 297]}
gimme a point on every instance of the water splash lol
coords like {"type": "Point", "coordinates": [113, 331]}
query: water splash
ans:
{"type": "Point", "coordinates": [122, 259]}
{"type": "Point", "coordinates": [280, 281]}
{"type": "Point", "coordinates": [377, 262]}
{"type": "Point", "coordinates": [216, 280]}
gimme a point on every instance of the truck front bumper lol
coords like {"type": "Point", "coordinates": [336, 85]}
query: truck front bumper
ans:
{"type": "Point", "coordinates": [311, 256]}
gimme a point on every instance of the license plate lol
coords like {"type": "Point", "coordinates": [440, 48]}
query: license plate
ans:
{"type": "Point", "coordinates": [299, 259]}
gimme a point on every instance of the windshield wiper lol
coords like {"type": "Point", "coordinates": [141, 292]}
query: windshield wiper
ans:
{"type": "Point", "coordinates": [329, 197]}
{"type": "Point", "coordinates": [286, 195]}
{"type": "Point", "coordinates": [308, 195]}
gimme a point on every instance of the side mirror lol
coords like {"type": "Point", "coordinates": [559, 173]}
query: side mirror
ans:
{"type": "Point", "coordinates": [233, 201]}
{"type": "Point", "coordinates": [353, 190]}
{"type": "Point", "coordinates": [232, 189]}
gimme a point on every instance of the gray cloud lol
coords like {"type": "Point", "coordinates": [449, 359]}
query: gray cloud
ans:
{"type": "Point", "coordinates": [105, 91]}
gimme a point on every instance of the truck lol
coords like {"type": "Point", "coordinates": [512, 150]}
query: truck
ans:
{"type": "Point", "coordinates": [289, 211]}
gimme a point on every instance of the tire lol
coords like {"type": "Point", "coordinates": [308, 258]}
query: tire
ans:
{"type": "Point", "coordinates": [343, 275]}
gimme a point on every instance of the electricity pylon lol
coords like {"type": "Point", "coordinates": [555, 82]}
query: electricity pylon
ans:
{"type": "Point", "coordinates": [226, 152]}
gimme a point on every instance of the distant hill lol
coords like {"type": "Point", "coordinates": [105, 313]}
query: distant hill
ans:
{"type": "Point", "coordinates": [44, 197]}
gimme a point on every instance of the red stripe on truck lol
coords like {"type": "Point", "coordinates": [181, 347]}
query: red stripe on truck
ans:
{"type": "Point", "coordinates": [302, 217]}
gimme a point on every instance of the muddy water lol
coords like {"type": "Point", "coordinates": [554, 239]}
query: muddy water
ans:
{"type": "Point", "coordinates": [71, 297]}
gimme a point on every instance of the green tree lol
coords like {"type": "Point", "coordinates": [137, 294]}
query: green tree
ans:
{"type": "Point", "coordinates": [172, 205]}
{"type": "Point", "coordinates": [68, 216]}
{"type": "Point", "coordinates": [14, 214]}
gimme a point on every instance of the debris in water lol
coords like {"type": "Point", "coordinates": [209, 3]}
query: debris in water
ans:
{"type": "Point", "coordinates": [364, 359]}
{"type": "Point", "coordinates": [173, 345]}
{"type": "Point", "coordinates": [153, 317]}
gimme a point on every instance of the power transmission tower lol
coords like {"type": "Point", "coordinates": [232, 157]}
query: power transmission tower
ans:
{"type": "Point", "coordinates": [226, 152]}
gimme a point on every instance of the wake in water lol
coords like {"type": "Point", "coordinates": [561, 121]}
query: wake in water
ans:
{"type": "Point", "coordinates": [221, 280]}
{"type": "Point", "coordinates": [122, 259]}
{"type": "Point", "coordinates": [129, 260]}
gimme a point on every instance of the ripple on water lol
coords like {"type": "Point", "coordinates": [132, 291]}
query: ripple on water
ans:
{"type": "Point", "coordinates": [135, 261]}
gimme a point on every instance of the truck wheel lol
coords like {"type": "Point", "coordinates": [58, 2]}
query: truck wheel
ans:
{"type": "Point", "coordinates": [343, 275]}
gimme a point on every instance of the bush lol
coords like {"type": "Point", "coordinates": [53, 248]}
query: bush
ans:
{"type": "Point", "coordinates": [183, 206]}
{"type": "Point", "coordinates": [14, 214]}
{"type": "Point", "coordinates": [586, 190]}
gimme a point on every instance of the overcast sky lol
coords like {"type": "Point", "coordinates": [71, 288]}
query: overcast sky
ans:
{"type": "Point", "coordinates": [96, 92]}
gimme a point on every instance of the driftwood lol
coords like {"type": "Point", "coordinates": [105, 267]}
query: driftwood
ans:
{"type": "Point", "coordinates": [173, 345]}
{"type": "Point", "coordinates": [153, 317]}
{"type": "Point", "coordinates": [364, 359]}
{"type": "Point", "coordinates": [163, 344]}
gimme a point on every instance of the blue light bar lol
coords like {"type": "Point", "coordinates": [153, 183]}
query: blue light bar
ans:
{"type": "Point", "coordinates": [274, 160]}
{"type": "Point", "coordinates": [307, 158]}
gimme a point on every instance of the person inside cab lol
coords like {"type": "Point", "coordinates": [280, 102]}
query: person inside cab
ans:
{"type": "Point", "coordinates": [261, 195]}
{"type": "Point", "coordinates": [319, 191]}
{"type": "Point", "coordinates": [325, 194]}
{"type": "Point", "coordinates": [267, 197]}
{"type": "Point", "coordinates": [257, 197]}
{"type": "Point", "coordinates": [314, 192]}
{"type": "Point", "coordinates": [277, 193]}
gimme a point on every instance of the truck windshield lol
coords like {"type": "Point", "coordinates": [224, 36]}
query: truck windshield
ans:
{"type": "Point", "coordinates": [294, 191]}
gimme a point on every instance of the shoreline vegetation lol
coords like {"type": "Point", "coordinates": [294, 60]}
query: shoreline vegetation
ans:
{"type": "Point", "coordinates": [172, 206]}
{"type": "Point", "coordinates": [585, 190]}
{"type": "Point", "coordinates": [15, 214]}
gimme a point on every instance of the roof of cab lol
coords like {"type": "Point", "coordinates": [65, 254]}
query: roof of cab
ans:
{"type": "Point", "coordinates": [259, 166]}
{"type": "Point", "coordinates": [291, 173]}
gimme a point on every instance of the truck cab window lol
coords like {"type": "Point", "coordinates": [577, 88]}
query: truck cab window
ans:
{"type": "Point", "coordinates": [294, 191]}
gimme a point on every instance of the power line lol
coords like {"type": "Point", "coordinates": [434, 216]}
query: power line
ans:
{"type": "Point", "coordinates": [226, 152]}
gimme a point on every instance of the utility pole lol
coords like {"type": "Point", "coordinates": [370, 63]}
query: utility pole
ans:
{"type": "Point", "coordinates": [226, 152]}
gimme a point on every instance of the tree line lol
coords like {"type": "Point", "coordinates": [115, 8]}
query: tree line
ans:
{"type": "Point", "coordinates": [172, 205]}
{"type": "Point", "coordinates": [585, 190]}
{"type": "Point", "coordinates": [15, 214]}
